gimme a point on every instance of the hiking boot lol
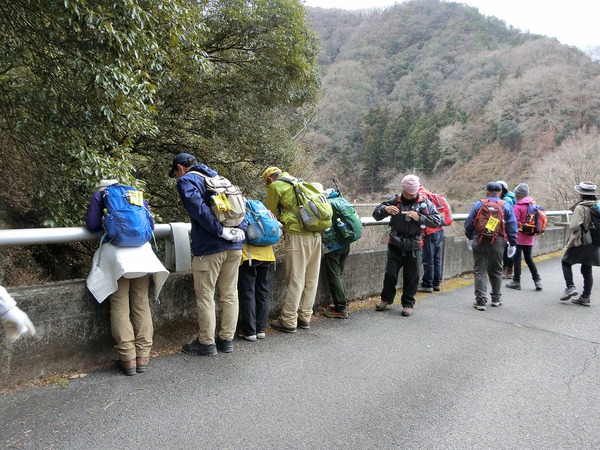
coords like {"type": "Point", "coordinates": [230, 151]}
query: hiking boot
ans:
{"type": "Point", "coordinates": [141, 364]}
{"type": "Point", "coordinates": [195, 348]}
{"type": "Point", "coordinates": [224, 345]}
{"type": "Point", "coordinates": [250, 337]}
{"type": "Point", "coordinates": [128, 367]}
{"type": "Point", "coordinates": [582, 300]}
{"type": "Point", "coordinates": [507, 274]}
{"type": "Point", "coordinates": [334, 314]}
{"type": "Point", "coordinates": [277, 325]}
{"type": "Point", "coordinates": [479, 305]}
{"type": "Point", "coordinates": [406, 311]}
{"type": "Point", "coordinates": [261, 335]}
{"type": "Point", "coordinates": [437, 288]}
{"type": "Point", "coordinates": [302, 324]}
{"type": "Point", "coordinates": [382, 306]}
{"type": "Point", "coordinates": [538, 285]}
{"type": "Point", "coordinates": [429, 290]}
{"type": "Point", "coordinates": [569, 292]}
{"type": "Point", "coordinates": [514, 285]}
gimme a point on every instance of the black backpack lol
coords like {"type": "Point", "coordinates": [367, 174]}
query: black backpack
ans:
{"type": "Point", "coordinates": [595, 224]}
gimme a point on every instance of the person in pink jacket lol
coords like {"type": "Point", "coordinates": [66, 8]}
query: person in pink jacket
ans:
{"type": "Point", "coordinates": [524, 243]}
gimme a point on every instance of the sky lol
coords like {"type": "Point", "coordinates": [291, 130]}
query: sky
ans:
{"type": "Point", "coordinates": [572, 22]}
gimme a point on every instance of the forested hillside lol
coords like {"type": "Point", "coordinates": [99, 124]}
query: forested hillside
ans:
{"type": "Point", "coordinates": [115, 88]}
{"type": "Point", "coordinates": [439, 89]}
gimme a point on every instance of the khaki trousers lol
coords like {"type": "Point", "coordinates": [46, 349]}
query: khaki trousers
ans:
{"type": "Point", "coordinates": [302, 265]}
{"type": "Point", "coordinates": [219, 270]}
{"type": "Point", "coordinates": [131, 318]}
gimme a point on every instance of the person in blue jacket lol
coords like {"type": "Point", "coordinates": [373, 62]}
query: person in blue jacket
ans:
{"type": "Point", "coordinates": [217, 251]}
{"type": "Point", "coordinates": [487, 253]}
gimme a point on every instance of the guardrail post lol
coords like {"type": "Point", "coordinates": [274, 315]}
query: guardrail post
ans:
{"type": "Point", "coordinates": [177, 248]}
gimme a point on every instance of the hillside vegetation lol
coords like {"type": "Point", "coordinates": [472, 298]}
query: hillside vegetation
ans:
{"type": "Point", "coordinates": [114, 89]}
{"type": "Point", "coordinates": [438, 89]}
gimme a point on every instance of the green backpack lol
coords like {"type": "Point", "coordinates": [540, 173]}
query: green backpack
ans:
{"type": "Point", "coordinates": [347, 226]}
{"type": "Point", "coordinates": [314, 210]}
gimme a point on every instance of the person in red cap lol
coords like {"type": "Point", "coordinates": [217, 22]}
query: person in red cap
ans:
{"type": "Point", "coordinates": [408, 213]}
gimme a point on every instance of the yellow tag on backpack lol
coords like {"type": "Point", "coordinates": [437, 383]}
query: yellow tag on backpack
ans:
{"type": "Point", "coordinates": [136, 198]}
{"type": "Point", "coordinates": [221, 202]}
{"type": "Point", "coordinates": [492, 224]}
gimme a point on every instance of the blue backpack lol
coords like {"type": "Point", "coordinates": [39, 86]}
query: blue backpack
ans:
{"type": "Point", "coordinates": [126, 222]}
{"type": "Point", "coordinates": [263, 227]}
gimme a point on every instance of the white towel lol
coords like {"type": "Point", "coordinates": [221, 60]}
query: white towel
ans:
{"type": "Point", "coordinates": [111, 263]}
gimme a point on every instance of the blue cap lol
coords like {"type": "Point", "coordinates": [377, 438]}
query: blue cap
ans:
{"type": "Point", "coordinates": [185, 159]}
{"type": "Point", "coordinates": [493, 187]}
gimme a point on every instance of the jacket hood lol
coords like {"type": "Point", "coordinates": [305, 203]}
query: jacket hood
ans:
{"type": "Point", "coordinates": [205, 170]}
{"type": "Point", "coordinates": [525, 200]}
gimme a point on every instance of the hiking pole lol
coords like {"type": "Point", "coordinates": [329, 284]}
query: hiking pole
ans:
{"type": "Point", "coordinates": [337, 188]}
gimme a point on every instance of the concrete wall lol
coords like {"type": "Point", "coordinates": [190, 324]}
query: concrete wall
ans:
{"type": "Point", "coordinates": [74, 330]}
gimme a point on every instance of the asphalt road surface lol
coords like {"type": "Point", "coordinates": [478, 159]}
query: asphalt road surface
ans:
{"type": "Point", "coordinates": [524, 375]}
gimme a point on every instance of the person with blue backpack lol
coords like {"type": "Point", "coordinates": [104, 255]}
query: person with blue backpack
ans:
{"type": "Point", "coordinates": [121, 269]}
{"type": "Point", "coordinates": [256, 270]}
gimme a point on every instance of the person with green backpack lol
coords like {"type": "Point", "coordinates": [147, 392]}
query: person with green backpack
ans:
{"type": "Point", "coordinates": [346, 228]}
{"type": "Point", "coordinates": [303, 211]}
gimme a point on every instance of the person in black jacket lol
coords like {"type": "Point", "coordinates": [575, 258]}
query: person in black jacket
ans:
{"type": "Point", "coordinates": [410, 212]}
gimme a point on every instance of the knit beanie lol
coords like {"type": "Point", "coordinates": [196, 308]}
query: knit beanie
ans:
{"type": "Point", "coordinates": [410, 184]}
{"type": "Point", "coordinates": [522, 190]}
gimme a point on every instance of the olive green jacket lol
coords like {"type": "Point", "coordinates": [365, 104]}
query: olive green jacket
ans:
{"type": "Point", "coordinates": [281, 200]}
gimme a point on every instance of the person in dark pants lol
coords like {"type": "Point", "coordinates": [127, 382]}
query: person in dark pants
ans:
{"type": "Point", "coordinates": [409, 212]}
{"type": "Point", "coordinates": [507, 263]}
{"type": "Point", "coordinates": [525, 243]}
{"type": "Point", "coordinates": [335, 261]}
{"type": "Point", "coordinates": [254, 290]}
{"type": "Point", "coordinates": [433, 239]}
{"type": "Point", "coordinates": [487, 249]}
{"type": "Point", "coordinates": [579, 249]}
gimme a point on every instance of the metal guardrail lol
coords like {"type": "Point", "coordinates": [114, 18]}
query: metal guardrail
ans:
{"type": "Point", "coordinates": [41, 236]}
{"type": "Point", "coordinates": [176, 236]}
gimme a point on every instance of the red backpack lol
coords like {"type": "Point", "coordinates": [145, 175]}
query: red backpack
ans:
{"type": "Point", "coordinates": [489, 220]}
{"type": "Point", "coordinates": [441, 204]}
{"type": "Point", "coordinates": [536, 222]}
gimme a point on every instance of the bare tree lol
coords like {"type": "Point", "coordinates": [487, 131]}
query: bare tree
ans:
{"type": "Point", "coordinates": [577, 159]}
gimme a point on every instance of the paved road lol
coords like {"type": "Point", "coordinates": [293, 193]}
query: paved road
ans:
{"type": "Point", "coordinates": [522, 376]}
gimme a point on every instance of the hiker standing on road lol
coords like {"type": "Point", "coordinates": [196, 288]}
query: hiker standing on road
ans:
{"type": "Point", "coordinates": [507, 263]}
{"type": "Point", "coordinates": [15, 322]}
{"type": "Point", "coordinates": [525, 243]}
{"type": "Point", "coordinates": [489, 220]}
{"type": "Point", "coordinates": [122, 274]}
{"type": "Point", "coordinates": [409, 212]}
{"type": "Point", "coordinates": [580, 249]}
{"type": "Point", "coordinates": [335, 253]}
{"type": "Point", "coordinates": [302, 254]}
{"type": "Point", "coordinates": [254, 288]}
{"type": "Point", "coordinates": [217, 251]}
{"type": "Point", "coordinates": [433, 239]}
